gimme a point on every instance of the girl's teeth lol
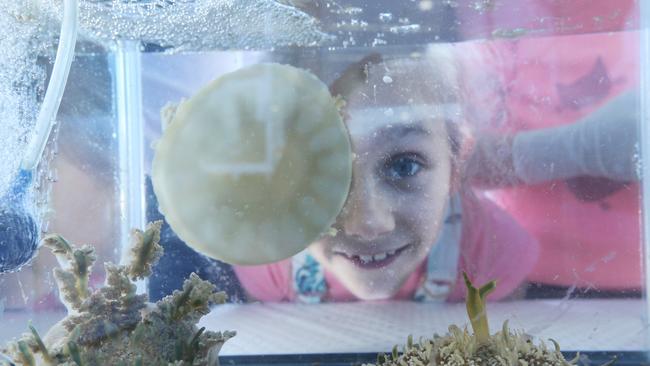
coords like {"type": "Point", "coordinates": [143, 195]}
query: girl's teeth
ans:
{"type": "Point", "coordinates": [365, 258]}
{"type": "Point", "coordinates": [392, 252]}
{"type": "Point", "coordinates": [375, 257]}
{"type": "Point", "coordinates": [379, 257]}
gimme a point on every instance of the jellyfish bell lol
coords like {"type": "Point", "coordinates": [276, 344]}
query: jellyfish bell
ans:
{"type": "Point", "coordinates": [255, 166]}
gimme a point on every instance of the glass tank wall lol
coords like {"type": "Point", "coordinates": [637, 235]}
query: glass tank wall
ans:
{"type": "Point", "coordinates": [335, 167]}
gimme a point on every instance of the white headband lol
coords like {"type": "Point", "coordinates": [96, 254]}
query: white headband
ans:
{"type": "Point", "coordinates": [367, 120]}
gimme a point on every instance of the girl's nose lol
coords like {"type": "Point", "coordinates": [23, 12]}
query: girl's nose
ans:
{"type": "Point", "coordinates": [367, 213]}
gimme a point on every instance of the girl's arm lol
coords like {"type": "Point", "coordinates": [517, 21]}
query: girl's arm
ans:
{"type": "Point", "coordinates": [602, 144]}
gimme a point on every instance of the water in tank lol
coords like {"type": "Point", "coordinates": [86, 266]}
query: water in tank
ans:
{"type": "Point", "coordinates": [253, 182]}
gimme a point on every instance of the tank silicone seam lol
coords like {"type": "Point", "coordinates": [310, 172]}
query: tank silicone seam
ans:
{"type": "Point", "coordinates": [128, 94]}
{"type": "Point", "coordinates": [644, 125]}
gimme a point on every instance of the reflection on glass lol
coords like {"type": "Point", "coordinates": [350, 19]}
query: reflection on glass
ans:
{"type": "Point", "coordinates": [508, 148]}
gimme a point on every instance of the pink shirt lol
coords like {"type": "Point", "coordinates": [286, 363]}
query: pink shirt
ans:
{"type": "Point", "coordinates": [493, 246]}
{"type": "Point", "coordinates": [551, 81]}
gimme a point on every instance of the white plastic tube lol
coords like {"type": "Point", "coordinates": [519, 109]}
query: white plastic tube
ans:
{"type": "Point", "coordinates": [56, 86]}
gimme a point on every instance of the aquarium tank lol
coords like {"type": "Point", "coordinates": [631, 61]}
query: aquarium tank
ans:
{"type": "Point", "coordinates": [335, 182]}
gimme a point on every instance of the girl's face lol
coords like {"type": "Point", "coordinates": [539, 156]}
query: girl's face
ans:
{"type": "Point", "coordinates": [400, 185]}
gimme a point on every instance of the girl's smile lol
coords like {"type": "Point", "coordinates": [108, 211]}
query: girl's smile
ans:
{"type": "Point", "coordinates": [376, 259]}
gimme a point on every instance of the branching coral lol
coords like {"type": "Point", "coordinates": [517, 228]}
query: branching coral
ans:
{"type": "Point", "coordinates": [116, 326]}
{"type": "Point", "coordinates": [145, 251]}
{"type": "Point", "coordinates": [72, 277]}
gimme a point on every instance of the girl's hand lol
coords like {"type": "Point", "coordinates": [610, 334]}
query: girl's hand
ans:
{"type": "Point", "coordinates": [603, 144]}
{"type": "Point", "coordinates": [490, 164]}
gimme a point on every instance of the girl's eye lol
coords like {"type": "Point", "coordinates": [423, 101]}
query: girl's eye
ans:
{"type": "Point", "coordinates": [402, 167]}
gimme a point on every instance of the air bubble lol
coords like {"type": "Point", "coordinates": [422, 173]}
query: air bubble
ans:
{"type": "Point", "coordinates": [405, 29]}
{"type": "Point", "coordinates": [378, 42]}
{"type": "Point", "coordinates": [425, 5]}
{"type": "Point", "coordinates": [385, 17]}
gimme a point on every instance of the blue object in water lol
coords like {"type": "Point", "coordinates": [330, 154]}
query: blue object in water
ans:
{"type": "Point", "coordinates": [18, 229]}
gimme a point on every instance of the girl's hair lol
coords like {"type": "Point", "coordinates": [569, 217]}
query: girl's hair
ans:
{"type": "Point", "coordinates": [430, 77]}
